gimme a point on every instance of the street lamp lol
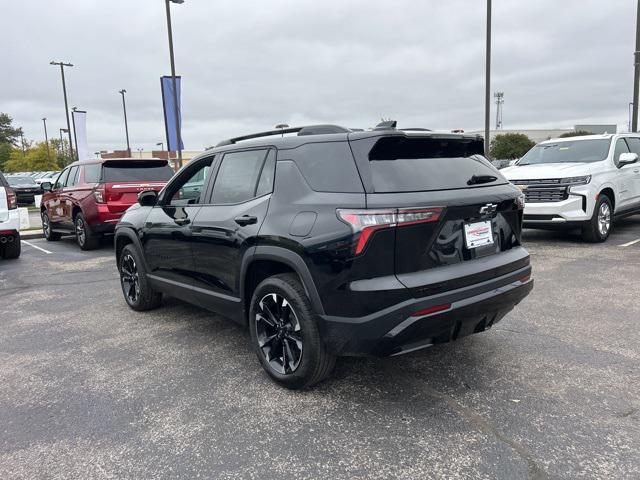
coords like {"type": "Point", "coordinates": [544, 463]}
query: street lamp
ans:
{"type": "Point", "coordinates": [66, 104]}
{"type": "Point", "coordinates": [46, 138]}
{"type": "Point", "coordinates": [173, 79]}
{"type": "Point", "coordinates": [126, 126]}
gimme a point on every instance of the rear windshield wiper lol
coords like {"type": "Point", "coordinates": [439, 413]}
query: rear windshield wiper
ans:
{"type": "Point", "coordinates": [478, 179]}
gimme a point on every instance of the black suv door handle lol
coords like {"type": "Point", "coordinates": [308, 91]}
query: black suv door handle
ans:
{"type": "Point", "coordinates": [246, 220]}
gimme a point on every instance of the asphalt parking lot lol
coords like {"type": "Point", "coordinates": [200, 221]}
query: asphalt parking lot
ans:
{"type": "Point", "coordinates": [91, 389]}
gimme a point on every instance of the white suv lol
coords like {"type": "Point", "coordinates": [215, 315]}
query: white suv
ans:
{"type": "Point", "coordinates": [9, 221]}
{"type": "Point", "coordinates": [580, 182]}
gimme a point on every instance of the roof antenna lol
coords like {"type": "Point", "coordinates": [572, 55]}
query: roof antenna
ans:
{"type": "Point", "coordinates": [282, 126]}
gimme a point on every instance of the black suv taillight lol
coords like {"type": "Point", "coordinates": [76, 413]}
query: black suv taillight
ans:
{"type": "Point", "coordinates": [365, 222]}
{"type": "Point", "coordinates": [12, 199]}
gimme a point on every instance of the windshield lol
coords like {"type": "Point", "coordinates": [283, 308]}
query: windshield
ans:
{"type": "Point", "coordinates": [578, 151]}
{"type": "Point", "coordinates": [21, 181]}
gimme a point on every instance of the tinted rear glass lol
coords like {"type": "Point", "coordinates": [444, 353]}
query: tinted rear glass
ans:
{"type": "Point", "coordinates": [327, 167]}
{"type": "Point", "coordinates": [132, 171]}
{"type": "Point", "coordinates": [400, 164]}
{"type": "Point", "coordinates": [3, 182]}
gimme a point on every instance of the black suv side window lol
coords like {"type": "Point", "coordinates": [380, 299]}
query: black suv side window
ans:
{"type": "Point", "coordinates": [265, 184]}
{"type": "Point", "coordinates": [188, 189]}
{"type": "Point", "coordinates": [237, 179]}
{"type": "Point", "coordinates": [327, 167]}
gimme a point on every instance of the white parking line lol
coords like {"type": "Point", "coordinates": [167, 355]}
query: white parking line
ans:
{"type": "Point", "coordinates": [36, 247]}
{"type": "Point", "coordinates": [628, 244]}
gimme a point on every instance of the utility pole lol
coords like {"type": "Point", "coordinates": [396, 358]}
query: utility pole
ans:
{"type": "Point", "coordinates": [487, 85]}
{"type": "Point", "coordinates": [66, 104]}
{"type": "Point", "coordinates": [46, 138]}
{"type": "Point", "coordinates": [126, 126]}
{"type": "Point", "coordinates": [173, 80]}
{"type": "Point", "coordinates": [636, 76]}
{"type": "Point", "coordinates": [499, 96]}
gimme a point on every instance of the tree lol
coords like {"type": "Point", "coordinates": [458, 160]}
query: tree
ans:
{"type": "Point", "coordinates": [35, 159]}
{"type": "Point", "coordinates": [577, 133]}
{"type": "Point", "coordinates": [510, 145]}
{"type": "Point", "coordinates": [8, 134]}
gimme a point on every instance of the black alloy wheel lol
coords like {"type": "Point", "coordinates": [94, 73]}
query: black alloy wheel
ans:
{"type": "Point", "coordinates": [278, 333]}
{"type": "Point", "coordinates": [129, 279]}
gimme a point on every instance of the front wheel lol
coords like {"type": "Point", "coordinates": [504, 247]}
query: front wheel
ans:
{"type": "Point", "coordinates": [136, 289]}
{"type": "Point", "coordinates": [285, 335]}
{"type": "Point", "coordinates": [599, 227]}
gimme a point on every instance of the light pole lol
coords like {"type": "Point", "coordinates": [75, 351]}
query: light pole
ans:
{"type": "Point", "coordinates": [126, 126]}
{"type": "Point", "coordinates": [62, 130]}
{"type": "Point", "coordinates": [487, 85]}
{"type": "Point", "coordinates": [66, 104]}
{"type": "Point", "coordinates": [75, 137]}
{"type": "Point", "coordinates": [46, 138]}
{"type": "Point", "coordinates": [636, 74]}
{"type": "Point", "coordinates": [173, 79]}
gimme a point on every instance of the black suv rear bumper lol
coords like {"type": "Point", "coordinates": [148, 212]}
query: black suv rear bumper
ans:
{"type": "Point", "coordinates": [395, 330]}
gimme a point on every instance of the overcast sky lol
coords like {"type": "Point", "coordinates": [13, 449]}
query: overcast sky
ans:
{"type": "Point", "coordinates": [249, 65]}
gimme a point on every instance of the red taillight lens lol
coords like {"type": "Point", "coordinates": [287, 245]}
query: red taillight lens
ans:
{"type": "Point", "coordinates": [365, 222]}
{"type": "Point", "coordinates": [12, 199]}
{"type": "Point", "coordinates": [430, 310]}
{"type": "Point", "coordinates": [99, 193]}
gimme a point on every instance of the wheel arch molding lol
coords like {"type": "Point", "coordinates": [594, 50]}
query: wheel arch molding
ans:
{"type": "Point", "coordinates": [124, 236]}
{"type": "Point", "coordinates": [288, 258]}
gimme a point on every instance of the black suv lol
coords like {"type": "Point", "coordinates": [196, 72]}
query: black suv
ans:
{"type": "Point", "coordinates": [328, 242]}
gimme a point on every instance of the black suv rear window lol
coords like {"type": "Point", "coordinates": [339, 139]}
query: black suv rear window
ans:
{"type": "Point", "coordinates": [134, 171]}
{"type": "Point", "coordinates": [401, 164]}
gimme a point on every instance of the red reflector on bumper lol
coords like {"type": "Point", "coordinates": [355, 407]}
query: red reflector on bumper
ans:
{"type": "Point", "coordinates": [427, 311]}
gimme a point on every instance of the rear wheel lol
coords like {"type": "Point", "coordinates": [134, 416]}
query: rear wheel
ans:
{"type": "Point", "coordinates": [599, 227]}
{"type": "Point", "coordinates": [137, 292]}
{"type": "Point", "coordinates": [49, 234]}
{"type": "Point", "coordinates": [12, 249]}
{"type": "Point", "coordinates": [285, 335]}
{"type": "Point", "coordinates": [85, 237]}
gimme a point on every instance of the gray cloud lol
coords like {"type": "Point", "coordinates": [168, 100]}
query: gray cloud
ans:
{"type": "Point", "coordinates": [249, 65]}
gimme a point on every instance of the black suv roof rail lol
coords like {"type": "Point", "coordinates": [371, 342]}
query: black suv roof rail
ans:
{"type": "Point", "coordinates": [307, 130]}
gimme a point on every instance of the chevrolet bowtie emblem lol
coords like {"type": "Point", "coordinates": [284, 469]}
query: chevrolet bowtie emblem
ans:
{"type": "Point", "coordinates": [488, 209]}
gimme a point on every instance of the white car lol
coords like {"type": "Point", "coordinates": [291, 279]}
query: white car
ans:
{"type": "Point", "coordinates": [580, 182]}
{"type": "Point", "coordinates": [9, 221]}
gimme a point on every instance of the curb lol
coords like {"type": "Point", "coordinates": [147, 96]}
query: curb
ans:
{"type": "Point", "coordinates": [29, 234]}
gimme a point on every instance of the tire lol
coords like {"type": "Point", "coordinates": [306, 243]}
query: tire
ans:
{"type": "Point", "coordinates": [50, 235]}
{"type": "Point", "coordinates": [137, 291]}
{"type": "Point", "coordinates": [598, 229]}
{"type": "Point", "coordinates": [86, 239]}
{"type": "Point", "coordinates": [12, 250]}
{"type": "Point", "coordinates": [295, 337]}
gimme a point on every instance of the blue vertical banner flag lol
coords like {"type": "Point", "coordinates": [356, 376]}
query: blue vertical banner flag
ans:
{"type": "Point", "coordinates": [169, 107]}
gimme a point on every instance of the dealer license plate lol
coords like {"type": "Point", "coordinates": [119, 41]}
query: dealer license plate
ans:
{"type": "Point", "coordinates": [478, 234]}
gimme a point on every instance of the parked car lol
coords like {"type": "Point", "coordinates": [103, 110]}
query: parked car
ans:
{"type": "Point", "coordinates": [9, 221]}
{"type": "Point", "coordinates": [580, 182]}
{"type": "Point", "coordinates": [25, 189]}
{"type": "Point", "coordinates": [47, 177]}
{"type": "Point", "coordinates": [333, 242]}
{"type": "Point", "coordinates": [89, 197]}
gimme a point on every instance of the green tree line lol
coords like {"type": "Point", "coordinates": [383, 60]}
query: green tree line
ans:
{"type": "Point", "coordinates": [17, 155]}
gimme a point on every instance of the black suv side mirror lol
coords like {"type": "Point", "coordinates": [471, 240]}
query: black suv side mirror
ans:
{"type": "Point", "coordinates": [46, 186]}
{"type": "Point", "coordinates": [148, 198]}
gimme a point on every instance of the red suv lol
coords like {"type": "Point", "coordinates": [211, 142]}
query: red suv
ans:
{"type": "Point", "coordinates": [89, 197]}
